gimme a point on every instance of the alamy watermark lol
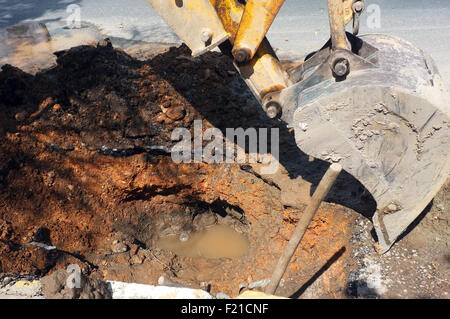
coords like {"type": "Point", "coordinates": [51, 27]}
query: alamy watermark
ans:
{"type": "Point", "coordinates": [73, 21]}
{"type": "Point", "coordinates": [216, 151]}
{"type": "Point", "coordinates": [374, 16]}
{"type": "Point", "coordinates": [74, 278]}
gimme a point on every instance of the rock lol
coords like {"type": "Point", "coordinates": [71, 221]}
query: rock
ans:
{"type": "Point", "coordinates": [258, 284]}
{"type": "Point", "coordinates": [21, 116]}
{"type": "Point", "coordinates": [392, 207]}
{"type": "Point", "coordinates": [204, 220]}
{"type": "Point", "coordinates": [60, 286]}
{"type": "Point", "coordinates": [137, 259]}
{"type": "Point", "coordinates": [176, 113]}
{"type": "Point", "coordinates": [164, 281]}
{"type": "Point", "coordinates": [5, 229]}
{"type": "Point", "coordinates": [184, 236]}
{"type": "Point", "coordinates": [133, 250]}
{"type": "Point", "coordinates": [45, 103]}
{"type": "Point", "coordinates": [106, 43]}
{"type": "Point", "coordinates": [119, 248]}
{"type": "Point", "coordinates": [6, 281]}
{"type": "Point", "coordinates": [50, 178]}
{"type": "Point", "coordinates": [160, 118]}
{"type": "Point", "coordinates": [222, 295]}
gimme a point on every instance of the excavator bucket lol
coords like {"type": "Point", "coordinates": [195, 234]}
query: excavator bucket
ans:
{"type": "Point", "coordinates": [387, 123]}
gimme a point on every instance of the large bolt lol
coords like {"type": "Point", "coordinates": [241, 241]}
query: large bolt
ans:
{"type": "Point", "coordinates": [358, 6]}
{"type": "Point", "coordinates": [273, 110]}
{"type": "Point", "coordinates": [241, 55]}
{"type": "Point", "coordinates": [341, 67]}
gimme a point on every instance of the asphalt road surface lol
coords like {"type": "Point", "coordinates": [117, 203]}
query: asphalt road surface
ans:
{"type": "Point", "coordinates": [301, 26]}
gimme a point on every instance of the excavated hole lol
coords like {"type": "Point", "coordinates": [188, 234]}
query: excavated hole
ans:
{"type": "Point", "coordinates": [210, 231]}
{"type": "Point", "coordinates": [196, 229]}
{"type": "Point", "coordinates": [216, 241]}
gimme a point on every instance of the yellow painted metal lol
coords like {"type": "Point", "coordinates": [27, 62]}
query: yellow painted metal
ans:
{"type": "Point", "coordinates": [337, 24]}
{"type": "Point", "coordinates": [256, 21]}
{"type": "Point", "coordinates": [230, 13]}
{"type": "Point", "coordinates": [347, 10]}
{"type": "Point", "coordinates": [194, 21]}
{"type": "Point", "coordinates": [204, 24]}
{"type": "Point", "coordinates": [263, 73]}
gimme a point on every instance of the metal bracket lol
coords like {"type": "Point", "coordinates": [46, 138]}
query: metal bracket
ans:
{"type": "Point", "coordinates": [359, 48]}
{"type": "Point", "coordinates": [358, 8]}
{"type": "Point", "coordinates": [194, 21]}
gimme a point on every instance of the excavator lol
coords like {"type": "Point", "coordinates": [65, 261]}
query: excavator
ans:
{"type": "Point", "coordinates": [375, 104]}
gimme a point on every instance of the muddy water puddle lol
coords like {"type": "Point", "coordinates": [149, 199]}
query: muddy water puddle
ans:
{"type": "Point", "coordinates": [217, 241]}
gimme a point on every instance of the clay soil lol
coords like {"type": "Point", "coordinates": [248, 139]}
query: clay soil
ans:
{"type": "Point", "coordinates": [85, 166]}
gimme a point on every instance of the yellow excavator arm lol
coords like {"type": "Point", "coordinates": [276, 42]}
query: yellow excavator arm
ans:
{"type": "Point", "coordinates": [240, 29]}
